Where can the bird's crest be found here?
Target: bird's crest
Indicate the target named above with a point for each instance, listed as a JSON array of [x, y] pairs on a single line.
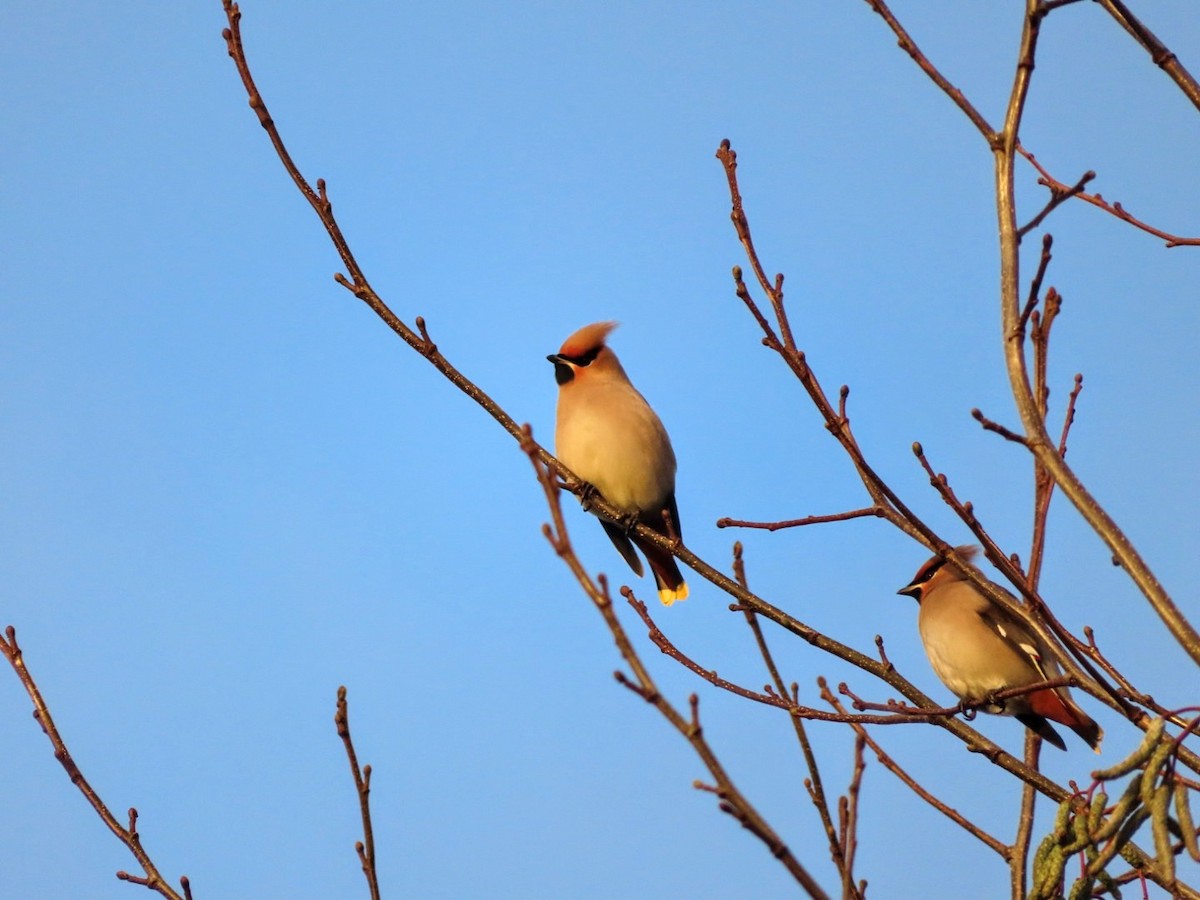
[[967, 551], [588, 338]]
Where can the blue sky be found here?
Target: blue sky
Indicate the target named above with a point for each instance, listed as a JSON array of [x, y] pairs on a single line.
[[228, 489]]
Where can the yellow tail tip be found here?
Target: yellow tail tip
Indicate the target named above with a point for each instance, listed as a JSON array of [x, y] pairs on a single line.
[[668, 596]]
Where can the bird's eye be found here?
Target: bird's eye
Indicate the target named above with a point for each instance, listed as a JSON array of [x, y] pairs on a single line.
[[585, 359], [929, 573]]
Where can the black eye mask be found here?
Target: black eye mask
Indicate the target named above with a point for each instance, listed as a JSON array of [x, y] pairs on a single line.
[[585, 359]]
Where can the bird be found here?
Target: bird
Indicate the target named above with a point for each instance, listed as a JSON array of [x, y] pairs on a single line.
[[977, 647], [607, 434]]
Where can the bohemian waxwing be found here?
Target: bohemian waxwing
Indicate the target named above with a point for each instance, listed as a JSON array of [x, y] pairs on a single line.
[[977, 647], [608, 435]]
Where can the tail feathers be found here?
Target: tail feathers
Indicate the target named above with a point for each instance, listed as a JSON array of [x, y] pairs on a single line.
[[671, 586], [620, 539], [1043, 728], [1061, 708]]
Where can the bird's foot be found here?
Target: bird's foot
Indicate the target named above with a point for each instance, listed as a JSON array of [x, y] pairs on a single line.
[[586, 492], [992, 705]]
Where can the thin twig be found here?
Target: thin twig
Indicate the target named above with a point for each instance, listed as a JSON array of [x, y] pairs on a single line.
[[773, 290], [807, 520], [1035, 286], [814, 783], [1058, 188], [1018, 860], [733, 801], [849, 821], [909, 46], [127, 835], [1058, 196], [362, 786], [1007, 433], [892, 766], [358, 284], [1161, 55]]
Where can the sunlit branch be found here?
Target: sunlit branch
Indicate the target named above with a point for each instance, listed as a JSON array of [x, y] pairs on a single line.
[[1059, 190], [127, 835], [1039, 443], [807, 520], [1159, 53], [892, 766], [732, 801], [813, 783], [362, 787]]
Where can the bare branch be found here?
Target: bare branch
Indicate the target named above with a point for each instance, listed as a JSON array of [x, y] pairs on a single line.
[[1018, 859], [996, 427], [128, 836], [1035, 287], [1058, 188], [362, 786], [849, 819], [912, 784], [732, 800], [909, 46], [1058, 196], [1039, 442], [814, 783], [1162, 57], [807, 520], [773, 290]]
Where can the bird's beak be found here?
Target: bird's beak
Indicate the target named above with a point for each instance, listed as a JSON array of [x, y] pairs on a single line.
[[911, 590], [554, 358]]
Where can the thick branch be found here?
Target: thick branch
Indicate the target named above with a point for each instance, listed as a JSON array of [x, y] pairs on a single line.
[[1039, 442], [1163, 57]]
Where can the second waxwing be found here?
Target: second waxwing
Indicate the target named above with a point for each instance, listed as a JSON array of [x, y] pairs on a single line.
[[977, 647], [608, 435]]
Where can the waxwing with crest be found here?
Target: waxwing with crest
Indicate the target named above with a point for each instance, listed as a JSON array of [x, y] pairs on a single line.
[[977, 647], [608, 435]]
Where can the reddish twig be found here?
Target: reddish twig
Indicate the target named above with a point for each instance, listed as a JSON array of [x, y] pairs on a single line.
[[1064, 192], [807, 520], [127, 835], [1035, 286], [813, 783], [732, 800], [784, 700], [995, 427], [1059, 194], [773, 290], [1018, 853], [912, 784], [848, 820], [966, 707], [362, 786]]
